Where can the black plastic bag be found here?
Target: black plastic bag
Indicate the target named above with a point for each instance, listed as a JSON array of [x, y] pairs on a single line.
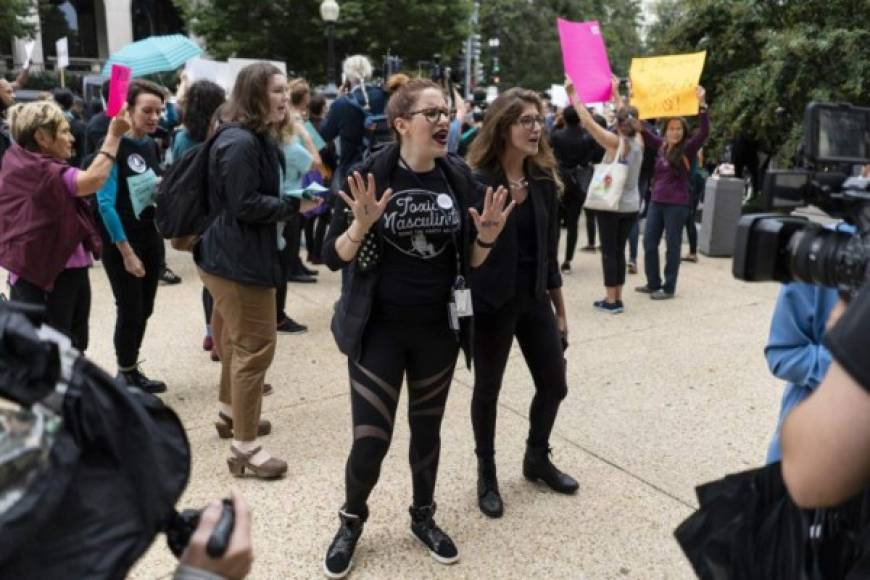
[[748, 528], [105, 485]]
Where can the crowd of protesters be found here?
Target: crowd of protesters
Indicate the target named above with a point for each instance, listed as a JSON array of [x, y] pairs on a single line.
[[380, 160]]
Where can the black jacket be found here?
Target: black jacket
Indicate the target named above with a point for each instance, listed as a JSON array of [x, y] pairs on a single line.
[[244, 187], [358, 288], [494, 282]]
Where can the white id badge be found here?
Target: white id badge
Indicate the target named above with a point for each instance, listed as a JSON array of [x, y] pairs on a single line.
[[462, 299], [452, 318]]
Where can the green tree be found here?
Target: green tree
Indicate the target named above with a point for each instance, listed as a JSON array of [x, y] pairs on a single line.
[[766, 60], [530, 53], [292, 30], [14, 21]]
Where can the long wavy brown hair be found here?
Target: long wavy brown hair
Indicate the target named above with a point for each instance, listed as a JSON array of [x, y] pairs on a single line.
[[249, 102], [491, 142]]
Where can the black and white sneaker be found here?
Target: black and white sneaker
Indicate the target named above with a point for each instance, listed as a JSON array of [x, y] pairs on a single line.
[[135, 378], [339, 557], [169, 278], [424, 528]]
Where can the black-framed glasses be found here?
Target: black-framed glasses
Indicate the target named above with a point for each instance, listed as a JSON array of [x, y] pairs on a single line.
[[527, 122], [432, 114]]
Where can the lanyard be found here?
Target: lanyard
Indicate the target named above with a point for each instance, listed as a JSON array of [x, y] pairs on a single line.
[[460, 280]]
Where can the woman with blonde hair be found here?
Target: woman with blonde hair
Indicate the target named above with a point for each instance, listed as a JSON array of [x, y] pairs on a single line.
[[47, 231], [518, 290]]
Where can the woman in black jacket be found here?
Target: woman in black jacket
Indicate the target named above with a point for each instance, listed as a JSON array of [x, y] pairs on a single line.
[[407, 246], [517, 290], [238, 256]]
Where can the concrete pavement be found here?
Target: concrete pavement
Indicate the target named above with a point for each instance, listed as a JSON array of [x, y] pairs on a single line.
[[663, 397]]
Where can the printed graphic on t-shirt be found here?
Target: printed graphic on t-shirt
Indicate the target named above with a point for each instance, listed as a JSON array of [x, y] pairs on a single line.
[[420, 223], [142, 189], [137, 163]]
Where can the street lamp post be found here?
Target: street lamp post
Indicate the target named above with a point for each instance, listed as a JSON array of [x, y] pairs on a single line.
[[329, 13]]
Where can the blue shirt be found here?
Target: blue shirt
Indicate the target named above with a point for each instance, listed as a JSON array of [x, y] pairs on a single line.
[[794, 350]]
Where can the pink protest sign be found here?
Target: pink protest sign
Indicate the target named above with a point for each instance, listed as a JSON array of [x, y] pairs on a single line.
[[585, 59], [119, 82]]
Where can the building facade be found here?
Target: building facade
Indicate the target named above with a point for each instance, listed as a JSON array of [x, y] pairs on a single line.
[[95, 29]]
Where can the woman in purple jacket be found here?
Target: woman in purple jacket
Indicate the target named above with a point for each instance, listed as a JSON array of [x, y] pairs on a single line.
[[670, 208], [47, 231]]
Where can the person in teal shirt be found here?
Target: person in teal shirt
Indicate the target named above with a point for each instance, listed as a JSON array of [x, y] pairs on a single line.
[[198, 107], [297, 161]]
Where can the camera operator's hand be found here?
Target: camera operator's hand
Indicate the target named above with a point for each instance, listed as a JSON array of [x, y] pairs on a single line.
[[835, 314], [236, 562]]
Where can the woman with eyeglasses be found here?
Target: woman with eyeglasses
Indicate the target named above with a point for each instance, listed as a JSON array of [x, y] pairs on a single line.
[[408, 239], [625, 145], [518, 291]]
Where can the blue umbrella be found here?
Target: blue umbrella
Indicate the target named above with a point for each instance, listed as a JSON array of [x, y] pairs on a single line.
[[155, 54]]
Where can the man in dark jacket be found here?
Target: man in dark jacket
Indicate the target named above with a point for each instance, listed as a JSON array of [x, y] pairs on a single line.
[[98, 126]]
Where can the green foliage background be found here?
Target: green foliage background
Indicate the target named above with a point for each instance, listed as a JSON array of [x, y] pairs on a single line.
[[767, 59]]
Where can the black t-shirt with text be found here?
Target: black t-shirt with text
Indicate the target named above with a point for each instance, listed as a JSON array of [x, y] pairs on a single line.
[[421, 221]]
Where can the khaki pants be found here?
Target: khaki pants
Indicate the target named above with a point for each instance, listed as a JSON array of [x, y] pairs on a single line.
[[247, 347]]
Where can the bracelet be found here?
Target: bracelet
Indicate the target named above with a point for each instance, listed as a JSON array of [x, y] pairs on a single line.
[[109, 155], [484, 245], [353, 241]]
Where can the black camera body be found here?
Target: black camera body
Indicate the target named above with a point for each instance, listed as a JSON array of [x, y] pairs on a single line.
[[774, 247], [181, 526]]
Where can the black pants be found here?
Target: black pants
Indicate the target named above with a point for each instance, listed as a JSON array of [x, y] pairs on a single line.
[[534, 324], [691, 227], [134, 297], [614, 227], [207, 305], [68, 305], [663, 219], [573, 205], [590, 226], [427, 351]]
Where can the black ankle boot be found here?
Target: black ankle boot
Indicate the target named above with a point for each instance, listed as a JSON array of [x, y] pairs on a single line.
[[135, 378], [488, 496], [339, 557], [537, 466], [424, 528]]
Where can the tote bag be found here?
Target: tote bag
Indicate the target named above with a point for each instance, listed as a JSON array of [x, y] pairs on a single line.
[[608, 181]]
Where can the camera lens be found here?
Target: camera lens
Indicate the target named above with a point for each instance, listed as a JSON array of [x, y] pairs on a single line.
[[827, 258]]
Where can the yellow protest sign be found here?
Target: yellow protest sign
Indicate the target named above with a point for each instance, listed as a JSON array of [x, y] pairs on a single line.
[[664, 86]]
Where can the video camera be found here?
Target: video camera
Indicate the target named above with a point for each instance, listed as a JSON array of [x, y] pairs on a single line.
[[772, 246]]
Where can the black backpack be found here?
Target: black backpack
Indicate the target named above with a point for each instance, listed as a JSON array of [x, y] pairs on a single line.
[[183, 213], [376, 127]]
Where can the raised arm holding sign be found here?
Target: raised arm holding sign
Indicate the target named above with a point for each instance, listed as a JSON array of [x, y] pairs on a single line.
[[585, 58], [665, 86]]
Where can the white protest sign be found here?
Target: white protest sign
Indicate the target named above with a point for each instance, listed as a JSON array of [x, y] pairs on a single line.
[[62, 50], [237, 64], [558, 96], [28, 52], [203, 69]]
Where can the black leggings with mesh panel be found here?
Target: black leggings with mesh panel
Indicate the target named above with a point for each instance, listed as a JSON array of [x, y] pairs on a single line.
[[427, 352]]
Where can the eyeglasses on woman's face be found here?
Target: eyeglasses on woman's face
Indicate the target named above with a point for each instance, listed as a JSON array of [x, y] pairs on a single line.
[[527, 122], [432, 114]]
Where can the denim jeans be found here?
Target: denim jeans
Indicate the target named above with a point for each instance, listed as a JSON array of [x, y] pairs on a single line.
[[668, 220]]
